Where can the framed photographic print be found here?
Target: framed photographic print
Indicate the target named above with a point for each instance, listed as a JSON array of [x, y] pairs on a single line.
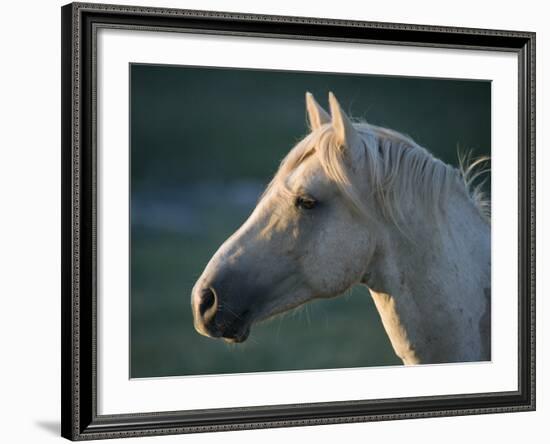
[[280, 221]]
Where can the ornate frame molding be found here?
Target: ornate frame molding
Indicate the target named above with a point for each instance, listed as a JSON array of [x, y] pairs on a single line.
[[80, 22]]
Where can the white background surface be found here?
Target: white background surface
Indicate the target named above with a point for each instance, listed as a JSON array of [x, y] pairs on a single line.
[[30, 234]]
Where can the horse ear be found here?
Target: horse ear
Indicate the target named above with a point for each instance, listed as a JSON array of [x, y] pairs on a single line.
[[345, 130], [317, 116]]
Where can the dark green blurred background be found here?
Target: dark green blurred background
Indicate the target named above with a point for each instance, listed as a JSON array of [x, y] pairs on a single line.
[[204, 144]]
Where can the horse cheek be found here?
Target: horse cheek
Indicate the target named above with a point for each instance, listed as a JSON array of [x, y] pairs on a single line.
[[326, 268]]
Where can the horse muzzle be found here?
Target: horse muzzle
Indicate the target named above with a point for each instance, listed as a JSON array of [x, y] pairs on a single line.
[[213, 319]]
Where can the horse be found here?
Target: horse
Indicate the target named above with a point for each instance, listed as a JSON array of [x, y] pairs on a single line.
[[355, 203]]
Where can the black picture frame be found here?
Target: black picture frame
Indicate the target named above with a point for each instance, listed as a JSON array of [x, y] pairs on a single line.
[[79, 170]]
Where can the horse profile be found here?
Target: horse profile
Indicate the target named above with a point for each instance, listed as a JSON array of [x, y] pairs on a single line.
[[353, 203]]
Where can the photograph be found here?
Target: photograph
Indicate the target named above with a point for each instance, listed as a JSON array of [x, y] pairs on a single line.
[[293, 220]]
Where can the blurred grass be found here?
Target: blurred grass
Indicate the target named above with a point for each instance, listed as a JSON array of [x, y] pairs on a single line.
[[196, 135]]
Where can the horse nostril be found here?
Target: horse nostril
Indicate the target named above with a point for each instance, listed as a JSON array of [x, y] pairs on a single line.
[[208, 303]]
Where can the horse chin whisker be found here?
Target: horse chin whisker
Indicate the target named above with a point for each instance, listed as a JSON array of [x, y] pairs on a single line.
[[308, 317], [232, 312], [251, 340], [285, 310]]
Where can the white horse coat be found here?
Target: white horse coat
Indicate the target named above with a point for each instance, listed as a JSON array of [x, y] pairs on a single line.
[[355, 203]]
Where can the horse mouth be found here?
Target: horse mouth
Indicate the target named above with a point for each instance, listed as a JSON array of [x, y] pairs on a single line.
[[232, 333], [236, 338], [236, 335]]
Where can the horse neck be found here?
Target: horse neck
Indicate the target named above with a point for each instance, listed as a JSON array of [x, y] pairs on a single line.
[[433, 293]]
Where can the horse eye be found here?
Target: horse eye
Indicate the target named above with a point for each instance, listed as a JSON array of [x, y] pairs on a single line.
[[306, 203]]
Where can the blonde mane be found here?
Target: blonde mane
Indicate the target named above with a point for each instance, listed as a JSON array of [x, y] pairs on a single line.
[[398, 170]]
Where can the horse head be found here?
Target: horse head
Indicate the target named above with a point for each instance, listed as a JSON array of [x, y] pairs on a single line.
[[305, 239]]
